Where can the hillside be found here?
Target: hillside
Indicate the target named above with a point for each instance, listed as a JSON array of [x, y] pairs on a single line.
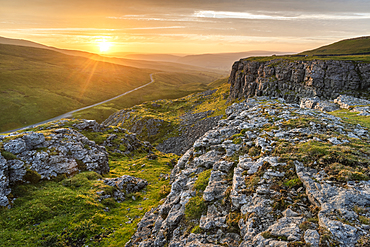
[[165, 86], [220, 61], [353, 46], [278, 154], [39, 84], [251, 179], [165, 65]]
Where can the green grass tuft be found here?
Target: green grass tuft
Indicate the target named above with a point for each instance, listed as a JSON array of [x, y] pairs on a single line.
[[202, 181]]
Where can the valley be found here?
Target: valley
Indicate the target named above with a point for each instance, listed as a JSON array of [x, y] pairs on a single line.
[[276, 153], [72, 82]]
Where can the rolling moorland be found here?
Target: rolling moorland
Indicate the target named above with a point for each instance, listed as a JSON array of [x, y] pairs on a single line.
[[39, 84], [258, 159]]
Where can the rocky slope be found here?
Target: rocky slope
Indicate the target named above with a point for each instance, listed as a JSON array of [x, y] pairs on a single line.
[[293, 80], [59, 150], [261, 172], [160, 122], [271, 174]]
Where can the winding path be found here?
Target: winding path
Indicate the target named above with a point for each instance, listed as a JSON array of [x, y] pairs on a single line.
[[69, 114]]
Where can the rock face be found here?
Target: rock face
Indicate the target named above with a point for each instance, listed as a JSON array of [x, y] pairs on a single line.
[[191, 127], [231, 189], [123, 185], [147, 126], [47, 154], [299, 79]]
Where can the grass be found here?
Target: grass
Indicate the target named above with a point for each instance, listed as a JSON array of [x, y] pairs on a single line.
[[348, 46], [169, 111], [338, 51], [195, 208], [341, 162], [53, 213], [68, 212], [352, 117], [166, 86], [292, 58], [202, 180], [38, 84]]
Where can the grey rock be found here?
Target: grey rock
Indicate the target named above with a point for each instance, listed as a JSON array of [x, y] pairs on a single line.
[[331, 199], [288, 227], [346, 101], [15, 146], [34, 139], [293, 80], [312, 237], [334, 141], [65, 152], [125, 185]]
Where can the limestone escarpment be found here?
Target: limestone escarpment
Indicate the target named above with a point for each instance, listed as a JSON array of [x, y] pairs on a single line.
[[261, 177], [293, 80], [60, 149]]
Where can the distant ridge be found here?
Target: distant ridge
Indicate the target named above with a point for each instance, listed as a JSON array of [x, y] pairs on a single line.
[[221, 61], [212, 61], [354, 46], [22, 42]]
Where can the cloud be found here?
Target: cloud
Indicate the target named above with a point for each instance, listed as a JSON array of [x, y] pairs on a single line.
[[278, 16]]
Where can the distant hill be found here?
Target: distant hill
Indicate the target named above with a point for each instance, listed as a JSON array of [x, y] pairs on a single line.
[[38, 84], [150, 57], [223, 61], [149, 63], [218, 61], [355, 46], [22, 42]]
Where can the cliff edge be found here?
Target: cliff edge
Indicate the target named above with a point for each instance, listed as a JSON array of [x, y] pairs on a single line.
[[293, 80]]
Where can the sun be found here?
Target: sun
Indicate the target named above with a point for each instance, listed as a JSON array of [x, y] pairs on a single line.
[[104, 46]]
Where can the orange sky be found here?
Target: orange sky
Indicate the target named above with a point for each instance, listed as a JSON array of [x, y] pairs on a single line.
[[192, 27]]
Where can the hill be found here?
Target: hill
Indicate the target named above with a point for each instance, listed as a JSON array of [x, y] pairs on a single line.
[[355, 46], [268, 174], [162, 64], [37, 84], [219, 61]]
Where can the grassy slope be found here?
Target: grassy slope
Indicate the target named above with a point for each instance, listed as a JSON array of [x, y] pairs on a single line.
[[340, 48], [37, 84], [166, 86], [62, 212], [54, 213], [58, 213], [359, 58], [348, 46], [171, 110]]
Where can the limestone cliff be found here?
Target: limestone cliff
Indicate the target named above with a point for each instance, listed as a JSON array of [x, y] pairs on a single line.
[[271, 174], [293, 80]]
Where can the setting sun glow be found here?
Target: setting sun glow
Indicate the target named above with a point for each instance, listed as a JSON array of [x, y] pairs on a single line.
[[104, 46]]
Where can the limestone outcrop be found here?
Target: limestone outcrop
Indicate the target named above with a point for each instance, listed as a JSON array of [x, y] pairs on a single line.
[[293, 80], [148, 123], [247, 182], [123, 186], [31, 156]]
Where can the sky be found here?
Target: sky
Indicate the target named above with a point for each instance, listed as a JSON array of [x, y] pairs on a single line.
[[185, 26]]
